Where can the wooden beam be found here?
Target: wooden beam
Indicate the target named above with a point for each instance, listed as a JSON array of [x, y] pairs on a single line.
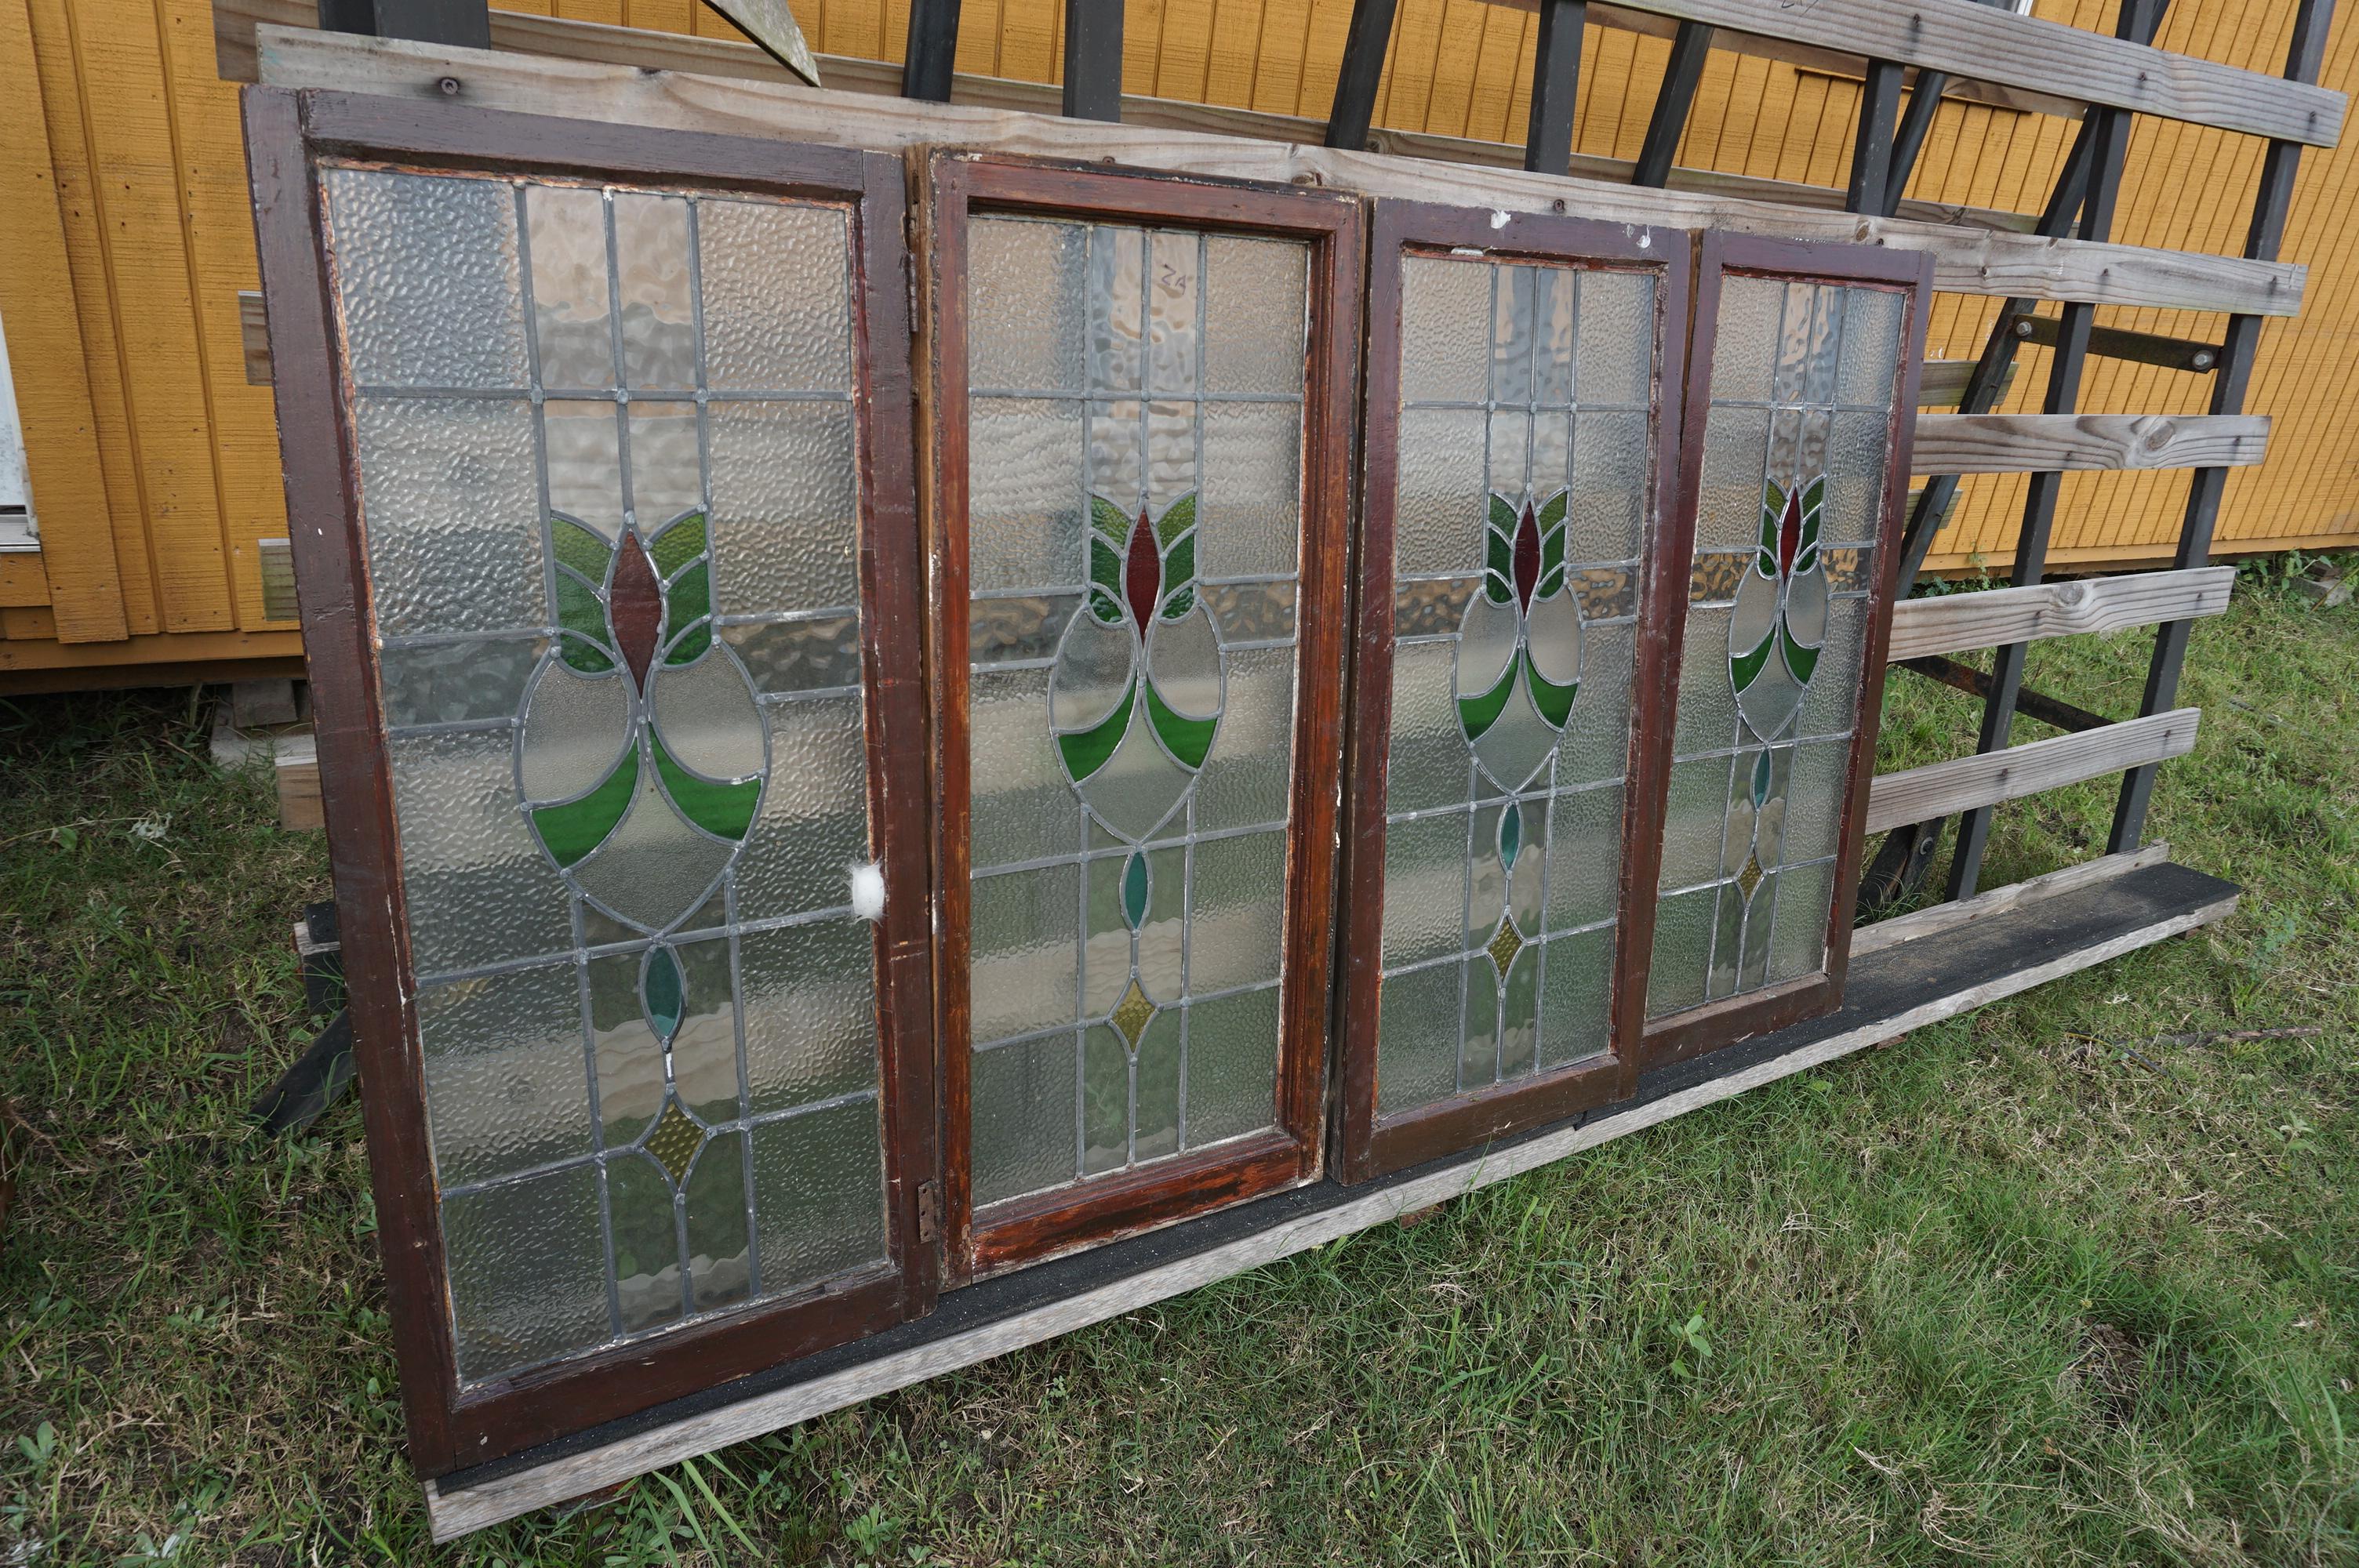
[[1556, 81], [1966, 260], [1986, 778], [1093, 88], [1935, 919], [927, 63], [1673, 99], [2053, 443], [1365, 43], [772, 25], [1943, 384], [1954, 622], [1988, 43]]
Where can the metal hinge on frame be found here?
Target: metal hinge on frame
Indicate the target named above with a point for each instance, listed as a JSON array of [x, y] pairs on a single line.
[[929, 1211]]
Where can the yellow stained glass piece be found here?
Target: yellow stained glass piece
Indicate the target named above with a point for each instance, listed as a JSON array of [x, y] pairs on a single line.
[[676, 1141], [1750, 877], [1505, 943], [1131, 1013]]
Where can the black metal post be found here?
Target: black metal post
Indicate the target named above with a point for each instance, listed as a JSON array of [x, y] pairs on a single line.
[[1871, 151], [1354, 108], [1924, 100], [1690, 44], [466, 23], [932, 53], [1556, 83], [1093, 59], [2304, 57]]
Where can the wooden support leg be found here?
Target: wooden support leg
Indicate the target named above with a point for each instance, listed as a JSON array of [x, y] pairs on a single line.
[[1556, 81]]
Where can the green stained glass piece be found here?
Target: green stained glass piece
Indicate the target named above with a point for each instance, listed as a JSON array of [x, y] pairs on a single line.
[[1105, 607], [583, 656], [1511, 833], [1806, 559], [1477, 713], [1773, 512], [662, 994], [1106, 573], [1133, 890], [1502, 557], [1552, 510], [1108, 519], [1766, 563], [725, 810], [1761, 778], [1801, 660], [1554, 701], [1086, 750], [573, 830], [1503, 516], [690, 598], [692, 644], [1188, 739], [1549, 584], [1497, 589], [1551, 550], [678, 544], [579, 610], [1813, 494], [1177, 519], [585, 551], [1178, 573], [1746, 667]]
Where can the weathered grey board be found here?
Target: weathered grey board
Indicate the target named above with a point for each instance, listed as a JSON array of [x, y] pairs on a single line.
[[2053, 926], [1956, 622], [2032, 443], [1933, 920], [1966, 260], [1944, 789], [1989, 44]]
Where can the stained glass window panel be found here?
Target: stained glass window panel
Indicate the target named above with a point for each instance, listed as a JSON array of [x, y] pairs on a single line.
[[1522, 504], [1796, 448], [606, 441], [1134, 508]]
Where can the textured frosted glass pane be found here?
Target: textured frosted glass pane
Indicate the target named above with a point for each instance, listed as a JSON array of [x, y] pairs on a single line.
[[527, 1274], [1445, 329], [1683, 944], [583, 444], [1511, 451], [1584, 856], [1797, 342], [1252, 476], [642, 1212], [653, 278], [1857, 455], [777, 312], [719, 1265], [629, 1056], [476, 884], [451, 512], [1174, 290], [1428, 761], [427, 271], [1814, 816], [1871, 346], [1252, 612], [1171, 467], [1024, 950], [1117, 304], [1417, 1038], [814, 815], [572, 310], [1610, 463], [810, 1012], [1438, 522], [1023, 806], [1024, 494], [785, 521], [1617, 338], [1478, 1047], [1245, 781], [1155, 1118], [444, 683], [1576, 999], [507, 1087], [1597, 740], [1693, 821], [1707, 709], [655, 867], [1255, 320], [1232, 1067], [706, 716], [1798, 942], [1736, 456], [1832, 700], [1023, 1118], [1105, 1101], [819, 1197], [1425, 888], [667, 467], [1025, 323], [1235, 937], [1745, 338], [798, 656], [1513, 333]]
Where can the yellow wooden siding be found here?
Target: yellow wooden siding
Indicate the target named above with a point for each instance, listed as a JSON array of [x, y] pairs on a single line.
[[156, 465]]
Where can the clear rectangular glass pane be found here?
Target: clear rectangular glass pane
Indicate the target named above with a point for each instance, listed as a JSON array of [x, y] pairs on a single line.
[[642, 995], [1132, 553]]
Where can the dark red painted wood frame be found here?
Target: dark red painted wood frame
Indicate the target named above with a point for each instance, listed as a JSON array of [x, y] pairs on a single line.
[[1714, 1024], [287, 134], [1366, 1145], [1026, 1229]]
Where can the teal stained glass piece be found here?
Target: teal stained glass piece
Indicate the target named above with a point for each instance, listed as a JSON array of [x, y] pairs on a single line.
[[1511, 833], [1133, 890], [1761, 778], [725, 810], [573, 830], [662, 994]]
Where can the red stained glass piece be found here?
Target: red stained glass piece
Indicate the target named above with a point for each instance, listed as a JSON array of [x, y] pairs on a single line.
[[634, 608], [1790, 533], [1528, 557], [1143, 573]]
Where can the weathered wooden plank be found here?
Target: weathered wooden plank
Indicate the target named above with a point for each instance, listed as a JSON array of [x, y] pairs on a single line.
[[1942, 384], [1989, 43], [1943, 789], [22, 580], [1974, 261], [1935, 919], [1956, 622], [2032, 443], [456, 1511]]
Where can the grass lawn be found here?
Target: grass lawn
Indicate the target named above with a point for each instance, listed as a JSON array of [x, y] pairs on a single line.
[[2040, 1284]]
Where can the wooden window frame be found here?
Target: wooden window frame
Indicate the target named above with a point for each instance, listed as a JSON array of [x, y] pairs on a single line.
[[955, 186], [1368, 1146], [1704, 1028], [287, 134]]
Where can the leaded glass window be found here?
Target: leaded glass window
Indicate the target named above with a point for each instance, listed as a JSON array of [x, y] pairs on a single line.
[[1791, 502], [606, 450], [1135, 444]]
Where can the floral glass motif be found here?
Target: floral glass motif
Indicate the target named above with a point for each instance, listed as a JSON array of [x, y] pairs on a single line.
[[605, 440], [1135, 457], [1523, 507], [1796, 446]]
